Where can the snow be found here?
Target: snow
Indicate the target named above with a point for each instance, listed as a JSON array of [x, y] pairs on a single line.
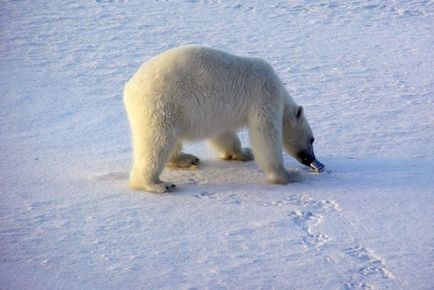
[[362, 70]]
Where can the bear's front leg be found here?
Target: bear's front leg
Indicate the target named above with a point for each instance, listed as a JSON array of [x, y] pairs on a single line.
[[265, 133], [278, 176]]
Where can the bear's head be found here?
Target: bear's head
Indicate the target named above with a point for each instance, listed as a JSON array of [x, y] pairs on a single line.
[[297, 135]]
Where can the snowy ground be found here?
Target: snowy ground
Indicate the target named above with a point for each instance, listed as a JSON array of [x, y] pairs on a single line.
[[363, 70]]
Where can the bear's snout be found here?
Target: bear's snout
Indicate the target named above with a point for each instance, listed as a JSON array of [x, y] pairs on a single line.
[[305, 158]]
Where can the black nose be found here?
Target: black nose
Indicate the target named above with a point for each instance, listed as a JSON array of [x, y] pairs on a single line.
[[305, 157]]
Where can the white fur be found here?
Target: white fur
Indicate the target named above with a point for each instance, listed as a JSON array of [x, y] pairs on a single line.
[[195, 92]]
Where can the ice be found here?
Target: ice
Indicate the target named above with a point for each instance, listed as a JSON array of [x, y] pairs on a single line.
[[362, 71]]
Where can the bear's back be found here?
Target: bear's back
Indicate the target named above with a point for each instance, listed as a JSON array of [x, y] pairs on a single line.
[[210, 89], [200, 65]]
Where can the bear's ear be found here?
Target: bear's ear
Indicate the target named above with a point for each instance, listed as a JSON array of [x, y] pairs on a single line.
[[299, 112]]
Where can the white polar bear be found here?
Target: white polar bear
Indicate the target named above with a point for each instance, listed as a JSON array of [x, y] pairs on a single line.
[[195, 92]]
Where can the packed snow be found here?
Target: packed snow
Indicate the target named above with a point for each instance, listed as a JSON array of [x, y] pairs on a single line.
[[363, 70]]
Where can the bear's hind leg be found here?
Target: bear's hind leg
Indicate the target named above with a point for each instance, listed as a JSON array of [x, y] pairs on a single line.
[[152, 147], [179, 159], [228, 146]]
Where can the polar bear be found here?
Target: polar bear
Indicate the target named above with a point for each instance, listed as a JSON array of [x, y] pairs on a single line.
[[194, 92]]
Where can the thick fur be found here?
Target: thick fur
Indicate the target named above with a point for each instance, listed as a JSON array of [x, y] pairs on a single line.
[[195, 93]]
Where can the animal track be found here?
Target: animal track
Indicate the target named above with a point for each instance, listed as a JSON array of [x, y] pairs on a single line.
[[371, 263], [194, 179], [207, 195], [307, 214], [305, 201], [369, 267], [306, 221], [272, 203], [315, 240], [359, 285]]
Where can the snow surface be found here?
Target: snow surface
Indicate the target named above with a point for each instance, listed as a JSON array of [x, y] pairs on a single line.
[[363, 70]]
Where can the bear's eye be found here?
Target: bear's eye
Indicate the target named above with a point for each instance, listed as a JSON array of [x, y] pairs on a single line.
[[312, 140]]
